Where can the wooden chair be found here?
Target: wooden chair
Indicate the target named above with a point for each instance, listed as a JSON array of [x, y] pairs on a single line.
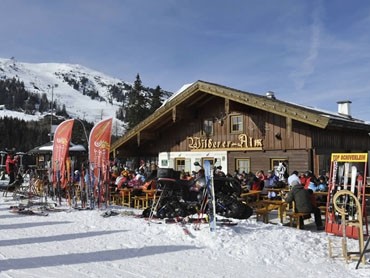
[[296, 216], [125, 197], [114, 197]]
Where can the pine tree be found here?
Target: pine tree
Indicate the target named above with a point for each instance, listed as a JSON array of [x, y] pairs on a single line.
[[136, 107], [156, 100]]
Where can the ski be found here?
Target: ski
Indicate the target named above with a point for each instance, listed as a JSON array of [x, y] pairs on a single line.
[[226, 222], [340, 176], [28, 211], [329, 219], [346, 175], [201, 211], [211, 195], [110, 213], [352, 205], [182, 222], [353, 178], [151, 219]]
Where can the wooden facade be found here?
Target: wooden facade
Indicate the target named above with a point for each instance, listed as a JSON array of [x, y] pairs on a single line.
[[241, 126]]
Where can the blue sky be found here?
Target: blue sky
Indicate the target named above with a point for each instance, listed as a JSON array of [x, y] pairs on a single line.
[[310, 52]]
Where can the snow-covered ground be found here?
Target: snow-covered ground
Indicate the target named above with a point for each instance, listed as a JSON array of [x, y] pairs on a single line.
[[83, 243]]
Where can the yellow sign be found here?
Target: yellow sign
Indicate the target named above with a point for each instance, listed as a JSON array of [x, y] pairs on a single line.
[[245, 142], [348, 157]]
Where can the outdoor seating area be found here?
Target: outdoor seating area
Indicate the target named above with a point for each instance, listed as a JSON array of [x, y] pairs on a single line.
[[277, 211]]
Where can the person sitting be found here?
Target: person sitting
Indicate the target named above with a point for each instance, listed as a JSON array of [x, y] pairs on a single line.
[[309, 178], [256, 184], [312, 186], [261, 177], [271, 179], [122, 180], [303, 203], [219, 172], [323, 186], [292, 177]]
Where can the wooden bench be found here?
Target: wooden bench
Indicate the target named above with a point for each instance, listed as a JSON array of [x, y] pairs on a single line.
[[140, 202], [296, 216]]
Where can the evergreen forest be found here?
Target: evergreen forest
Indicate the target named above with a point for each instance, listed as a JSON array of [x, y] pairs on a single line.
[[138, 102]]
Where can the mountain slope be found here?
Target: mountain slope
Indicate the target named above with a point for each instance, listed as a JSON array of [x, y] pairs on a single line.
[[74, 86]]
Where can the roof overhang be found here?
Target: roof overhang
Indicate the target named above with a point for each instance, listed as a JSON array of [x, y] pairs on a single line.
[[198, 94]]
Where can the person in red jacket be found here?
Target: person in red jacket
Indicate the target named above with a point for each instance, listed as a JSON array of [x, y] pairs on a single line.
[[11, 166]]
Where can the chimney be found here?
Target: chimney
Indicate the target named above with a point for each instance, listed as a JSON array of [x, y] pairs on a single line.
[[344, 108], [270, 94]]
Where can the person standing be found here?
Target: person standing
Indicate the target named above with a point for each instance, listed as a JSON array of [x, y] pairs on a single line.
[[11, 166]]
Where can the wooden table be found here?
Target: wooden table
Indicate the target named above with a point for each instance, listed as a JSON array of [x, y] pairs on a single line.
[[280, 205], [320, 193], [277, 190], [251, 193]]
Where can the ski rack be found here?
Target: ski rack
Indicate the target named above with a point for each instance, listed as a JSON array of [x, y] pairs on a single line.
[[339, 179]]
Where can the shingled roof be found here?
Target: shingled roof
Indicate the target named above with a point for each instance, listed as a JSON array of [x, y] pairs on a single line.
[[198, 92]]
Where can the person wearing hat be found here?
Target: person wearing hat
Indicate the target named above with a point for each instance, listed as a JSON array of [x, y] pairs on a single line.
[[302, 199]]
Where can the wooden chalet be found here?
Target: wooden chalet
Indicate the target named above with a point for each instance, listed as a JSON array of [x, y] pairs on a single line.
[[240, 131]]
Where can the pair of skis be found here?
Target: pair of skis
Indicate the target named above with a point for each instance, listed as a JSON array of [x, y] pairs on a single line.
[[208, 172]]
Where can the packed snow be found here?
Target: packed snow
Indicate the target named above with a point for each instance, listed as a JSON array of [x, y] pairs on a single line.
[[47, 78], [69, 242]]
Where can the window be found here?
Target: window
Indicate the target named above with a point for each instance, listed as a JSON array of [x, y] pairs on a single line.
[[243, 165], [236, 124], [164, 163], [180, 164], [207, 127], [211, 160]]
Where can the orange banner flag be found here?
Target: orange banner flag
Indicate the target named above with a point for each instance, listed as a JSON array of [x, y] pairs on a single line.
[[62, 139], [99, 147]]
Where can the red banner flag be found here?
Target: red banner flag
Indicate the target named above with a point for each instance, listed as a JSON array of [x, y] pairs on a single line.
[[99, 148], [62, 138]]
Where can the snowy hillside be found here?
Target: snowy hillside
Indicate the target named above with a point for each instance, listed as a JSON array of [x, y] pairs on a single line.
[[62, 83]]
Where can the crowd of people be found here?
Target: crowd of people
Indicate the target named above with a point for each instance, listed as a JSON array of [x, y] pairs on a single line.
[[261, 180], [301, 188]]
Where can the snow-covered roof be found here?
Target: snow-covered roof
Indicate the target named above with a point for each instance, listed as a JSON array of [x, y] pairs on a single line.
[[48, 148]]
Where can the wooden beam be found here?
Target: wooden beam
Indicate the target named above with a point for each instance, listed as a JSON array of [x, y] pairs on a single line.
[[288, 133], [138, 138], [227, 106], [174, 114]]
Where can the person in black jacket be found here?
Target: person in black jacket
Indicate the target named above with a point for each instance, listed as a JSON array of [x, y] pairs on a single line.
[[302, 200]]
